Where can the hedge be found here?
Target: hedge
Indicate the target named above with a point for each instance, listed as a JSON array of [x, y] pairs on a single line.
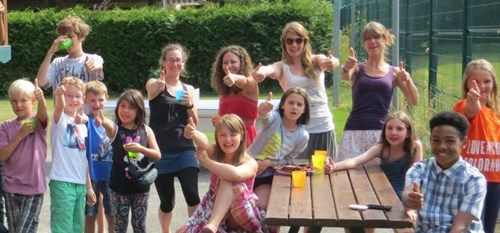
[[130, 41]]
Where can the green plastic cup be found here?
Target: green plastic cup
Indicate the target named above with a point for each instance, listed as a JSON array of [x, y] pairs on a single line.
[[32, 121], [133, 155], [65, 44]]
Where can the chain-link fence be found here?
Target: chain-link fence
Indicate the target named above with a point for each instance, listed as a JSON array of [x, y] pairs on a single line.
[[437, 38]]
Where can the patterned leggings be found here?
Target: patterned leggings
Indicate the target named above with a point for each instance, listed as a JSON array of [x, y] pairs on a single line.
[[122, 204]]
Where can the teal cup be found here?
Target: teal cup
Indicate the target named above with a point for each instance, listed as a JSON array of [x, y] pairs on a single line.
[[65, 44], [179, 95]]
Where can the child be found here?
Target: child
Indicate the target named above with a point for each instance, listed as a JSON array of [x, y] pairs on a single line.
[[130, 122], [480, 104], [23, 149], [232, 172], [99, 156], [282, 138], [238, 92], [87, 67], [69, 172], [447, 191], [398, 149], [300, 68]]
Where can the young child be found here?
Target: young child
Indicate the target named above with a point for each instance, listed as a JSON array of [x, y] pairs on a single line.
[[23, 149], [130, 122], [69, 172], [480, 104], [447, 191], [232, 173], [282, 138], [398, 149], [87, 67], [99, 156]]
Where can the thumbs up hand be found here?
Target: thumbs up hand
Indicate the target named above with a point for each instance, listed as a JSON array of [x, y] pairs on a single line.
[[190, 129], [38, 93], [351, 61], [160, 83], [80, 117], [99, 118], [329, 165], [415, 198], [257, 74], [474, 95], [401, 76], [329, 62], [229, 79], [266, 106]]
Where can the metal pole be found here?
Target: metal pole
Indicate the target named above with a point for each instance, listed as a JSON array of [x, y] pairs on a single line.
[[353, 24], [395, 48], [336, 49]]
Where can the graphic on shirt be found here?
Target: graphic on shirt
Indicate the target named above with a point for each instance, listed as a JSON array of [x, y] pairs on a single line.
[[272, 146], [105, 151], [73, 138]]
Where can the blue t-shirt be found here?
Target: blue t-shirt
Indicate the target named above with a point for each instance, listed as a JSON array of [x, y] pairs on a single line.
[[99, 152]]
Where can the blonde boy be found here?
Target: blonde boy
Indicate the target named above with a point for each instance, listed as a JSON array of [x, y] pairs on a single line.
[[69, 173], [23, 149]]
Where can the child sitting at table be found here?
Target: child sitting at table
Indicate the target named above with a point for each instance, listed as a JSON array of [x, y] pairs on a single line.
[[230, 204], [398, 149], [447, 191], [282, 138]]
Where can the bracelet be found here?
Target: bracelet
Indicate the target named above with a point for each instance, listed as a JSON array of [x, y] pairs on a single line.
[[190, 107]]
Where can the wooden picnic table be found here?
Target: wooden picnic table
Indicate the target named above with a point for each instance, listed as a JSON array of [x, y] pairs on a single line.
[[324, 201]]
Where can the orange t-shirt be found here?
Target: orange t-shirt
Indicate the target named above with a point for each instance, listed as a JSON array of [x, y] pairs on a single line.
[[482, 148]]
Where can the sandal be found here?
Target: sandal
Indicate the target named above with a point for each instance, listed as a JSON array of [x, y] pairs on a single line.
[[208, 229]]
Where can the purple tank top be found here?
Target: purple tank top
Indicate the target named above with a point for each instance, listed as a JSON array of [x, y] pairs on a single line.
[[371, 99]]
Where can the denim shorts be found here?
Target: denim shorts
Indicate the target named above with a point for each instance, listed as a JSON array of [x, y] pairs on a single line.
[[100, 187]]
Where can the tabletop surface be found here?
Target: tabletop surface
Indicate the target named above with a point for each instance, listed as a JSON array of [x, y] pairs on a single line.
[[324, 200]]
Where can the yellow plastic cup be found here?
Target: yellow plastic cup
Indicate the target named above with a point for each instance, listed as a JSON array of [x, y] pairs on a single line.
[[298, 178], [320, 152], [318, 162]]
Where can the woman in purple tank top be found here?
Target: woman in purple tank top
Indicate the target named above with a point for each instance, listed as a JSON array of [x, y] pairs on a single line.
[[372, 84]]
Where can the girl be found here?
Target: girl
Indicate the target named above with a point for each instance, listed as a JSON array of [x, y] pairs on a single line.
[[282, 138], [232, 172], [481, 106], [130, 122], [238, 92], [300, 68], [372, 84], [398, 149], [168, 119]]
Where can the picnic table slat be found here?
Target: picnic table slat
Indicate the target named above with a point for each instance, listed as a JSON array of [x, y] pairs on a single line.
[[280, 194], [300, 205], [343, 195], [322, 197]]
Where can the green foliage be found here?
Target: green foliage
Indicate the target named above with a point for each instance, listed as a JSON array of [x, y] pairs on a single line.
[[130, 41]]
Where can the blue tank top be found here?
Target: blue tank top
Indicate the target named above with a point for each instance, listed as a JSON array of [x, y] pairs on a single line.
[[371, 99], [395, 172]]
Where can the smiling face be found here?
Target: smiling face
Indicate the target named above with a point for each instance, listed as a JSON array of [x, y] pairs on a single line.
[[232, 61], [294, 44], [127, 114], [484, 81], [294, 107], [173, 63], [228, 141], [375, 45], [22, 105], [73, 99], [446, 145], [396, 132], [95, 102]]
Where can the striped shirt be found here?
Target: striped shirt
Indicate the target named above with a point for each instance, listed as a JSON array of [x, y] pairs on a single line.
[[446, 192]]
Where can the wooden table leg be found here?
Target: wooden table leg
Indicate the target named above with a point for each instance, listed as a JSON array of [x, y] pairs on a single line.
[[293, 229], [357, 230], [315, 229]]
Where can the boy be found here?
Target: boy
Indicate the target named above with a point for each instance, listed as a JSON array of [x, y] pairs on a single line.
[[87, 67], [447, 191], [23, 149], [69, 173], [99, 155]]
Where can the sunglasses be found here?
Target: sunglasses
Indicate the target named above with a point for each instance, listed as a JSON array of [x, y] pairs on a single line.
[[298, 40]]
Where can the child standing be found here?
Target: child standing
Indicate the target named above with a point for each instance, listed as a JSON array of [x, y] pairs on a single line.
[[282, 138], [69, 172], [23, 149], [99, 156], [232, 173], [480, 104], [398, 149], [130, 116], [86, 67], [447, 191]]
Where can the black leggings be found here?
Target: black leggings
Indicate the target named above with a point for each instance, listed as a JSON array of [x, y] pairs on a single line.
[[164, 184]]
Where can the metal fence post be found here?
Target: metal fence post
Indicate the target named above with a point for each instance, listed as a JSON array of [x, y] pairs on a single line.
[[336, 49], [395, 48]]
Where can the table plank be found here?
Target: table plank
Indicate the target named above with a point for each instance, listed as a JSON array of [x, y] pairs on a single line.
[[277, 215], [301, 205], [325, 213], [343, 195]]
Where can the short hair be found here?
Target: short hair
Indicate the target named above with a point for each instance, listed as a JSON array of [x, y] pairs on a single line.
[[21, 87], [376, 30], [73, 24], [246, 67], [454, 119], [134, 97], [304, 118], [96, 88], [72, 80]]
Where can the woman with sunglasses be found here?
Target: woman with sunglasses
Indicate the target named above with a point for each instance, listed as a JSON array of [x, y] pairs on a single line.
[[300, 68], [372, 84]]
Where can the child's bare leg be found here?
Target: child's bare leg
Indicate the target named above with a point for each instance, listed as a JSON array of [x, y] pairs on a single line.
[[221, 205]]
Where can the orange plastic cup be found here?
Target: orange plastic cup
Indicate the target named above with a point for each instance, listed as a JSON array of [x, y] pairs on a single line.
[[298, 178]]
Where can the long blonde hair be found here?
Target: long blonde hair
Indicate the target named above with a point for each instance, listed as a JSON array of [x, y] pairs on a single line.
[[234, 123], [482, 64], [308, 63]]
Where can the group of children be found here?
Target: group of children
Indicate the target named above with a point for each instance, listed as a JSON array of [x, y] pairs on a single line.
[[90, 159]]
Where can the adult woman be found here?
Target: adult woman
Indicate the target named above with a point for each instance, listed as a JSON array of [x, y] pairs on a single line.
[[239, 94], [168, 118], [372, 84], [300, 68]]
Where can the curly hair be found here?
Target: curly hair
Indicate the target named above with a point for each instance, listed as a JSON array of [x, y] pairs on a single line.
[[218, 73]]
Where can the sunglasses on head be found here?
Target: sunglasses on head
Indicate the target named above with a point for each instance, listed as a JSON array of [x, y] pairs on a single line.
[[298, 40]]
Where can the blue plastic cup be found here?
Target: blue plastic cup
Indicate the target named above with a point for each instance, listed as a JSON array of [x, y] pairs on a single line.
[[179, 95]]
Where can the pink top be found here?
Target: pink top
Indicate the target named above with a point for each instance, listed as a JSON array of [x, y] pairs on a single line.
[[245, 108], [24, 171], [214, 182]]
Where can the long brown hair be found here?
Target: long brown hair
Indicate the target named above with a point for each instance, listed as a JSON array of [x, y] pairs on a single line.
[[308, 63], [235, 125], [134, 97], [218, 73], [409, 142]]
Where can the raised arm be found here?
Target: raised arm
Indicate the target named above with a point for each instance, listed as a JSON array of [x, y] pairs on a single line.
[[248, 85], [109, 127], [43, 70], [274, 71], [473, 103], [327, 62], [199, 138], [41, 113], [155, 86], [405, 83], [350, 68]]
